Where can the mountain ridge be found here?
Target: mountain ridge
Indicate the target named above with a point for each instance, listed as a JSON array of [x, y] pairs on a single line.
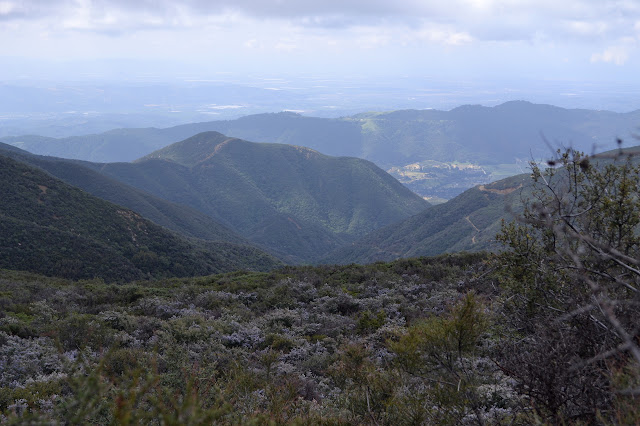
[[179, 218], [491, 139], [251, 187], [468, 222], [328, 135], [50, 227]]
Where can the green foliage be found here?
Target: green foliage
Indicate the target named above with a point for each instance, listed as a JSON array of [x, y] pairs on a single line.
[[442, 341], [299, 203], [571, 288], [467, 222], [226, 349], [441, 348], [368, 321], [49, 227]]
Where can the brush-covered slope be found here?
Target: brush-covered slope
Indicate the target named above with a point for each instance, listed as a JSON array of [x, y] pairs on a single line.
[[50, 227], [290, 199], [468, 222], [182, 219]]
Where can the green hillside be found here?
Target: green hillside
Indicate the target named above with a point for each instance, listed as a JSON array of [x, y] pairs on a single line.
[[487, 135], [293, 200], [182, 219], [49, 227], [469, 222]]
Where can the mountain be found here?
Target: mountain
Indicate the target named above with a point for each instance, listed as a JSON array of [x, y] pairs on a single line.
[[293, 200], [467, 133], [468, 222], [52, 228], [470, 144], [182, 219]]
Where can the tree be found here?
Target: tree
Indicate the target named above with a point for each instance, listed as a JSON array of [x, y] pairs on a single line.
[[571, 273]]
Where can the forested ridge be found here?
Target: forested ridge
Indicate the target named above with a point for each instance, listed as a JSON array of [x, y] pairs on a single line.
[[49, 227], [295, 201]]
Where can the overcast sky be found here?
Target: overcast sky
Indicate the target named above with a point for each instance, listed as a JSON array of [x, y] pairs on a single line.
[[589, 40]]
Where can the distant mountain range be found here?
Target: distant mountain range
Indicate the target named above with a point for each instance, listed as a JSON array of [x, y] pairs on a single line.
[[487, 138], [230, 195], [52, 228], [467, 133]]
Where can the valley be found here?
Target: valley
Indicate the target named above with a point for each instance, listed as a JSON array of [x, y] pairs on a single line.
[[293, 201], [439, 182], [52, 228]]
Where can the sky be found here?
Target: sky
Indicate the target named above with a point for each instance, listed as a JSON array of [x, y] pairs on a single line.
[[586, 40]]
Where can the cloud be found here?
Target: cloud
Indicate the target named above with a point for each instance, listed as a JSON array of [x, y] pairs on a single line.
[[132, 28], [618, 55], [29, 9], [490, 20], [444, 35], [286, 46]]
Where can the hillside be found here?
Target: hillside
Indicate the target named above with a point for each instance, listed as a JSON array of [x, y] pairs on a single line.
[[182, 219], [299, 339], [469, 222], [293, 200], [49, 227], [488, 135], [435, 153]]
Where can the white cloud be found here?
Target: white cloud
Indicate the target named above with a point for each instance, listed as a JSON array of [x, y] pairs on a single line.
[[444, 36], [252, 44], [286, 46], [6, 8], [372, 40], [478, 19], [519, 36], [587, 28], [618, 55]]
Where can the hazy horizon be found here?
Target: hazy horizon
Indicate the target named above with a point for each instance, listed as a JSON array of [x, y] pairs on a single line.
[[204, 60]]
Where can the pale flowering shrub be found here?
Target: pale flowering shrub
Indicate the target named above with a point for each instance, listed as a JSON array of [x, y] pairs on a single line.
[[308, 346], [25, 359]]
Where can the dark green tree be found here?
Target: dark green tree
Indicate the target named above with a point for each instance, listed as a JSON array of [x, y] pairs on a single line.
[[571, 272]]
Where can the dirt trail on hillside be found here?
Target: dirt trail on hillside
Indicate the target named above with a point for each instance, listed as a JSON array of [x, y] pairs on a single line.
[[499, 191], [473, 238]]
